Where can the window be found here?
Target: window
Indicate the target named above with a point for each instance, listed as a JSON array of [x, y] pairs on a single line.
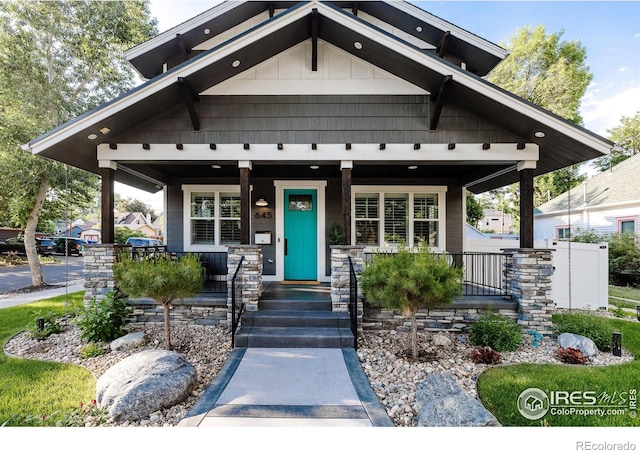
[[212, 217], [626, 225], [563, 233], [393, 216]]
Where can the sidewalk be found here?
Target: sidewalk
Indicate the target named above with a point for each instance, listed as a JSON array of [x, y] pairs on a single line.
[[289, 387], [8, 299]]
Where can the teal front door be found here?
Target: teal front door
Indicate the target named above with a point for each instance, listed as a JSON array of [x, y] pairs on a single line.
[[300, 234]]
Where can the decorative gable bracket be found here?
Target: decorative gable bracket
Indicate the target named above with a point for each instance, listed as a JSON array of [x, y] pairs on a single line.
[[190, 98], [436, 101]]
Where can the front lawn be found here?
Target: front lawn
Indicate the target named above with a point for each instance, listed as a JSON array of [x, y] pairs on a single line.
[[33, 389], [500, 387]]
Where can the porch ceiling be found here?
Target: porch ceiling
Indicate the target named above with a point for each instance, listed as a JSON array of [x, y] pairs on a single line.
[[564, 143]]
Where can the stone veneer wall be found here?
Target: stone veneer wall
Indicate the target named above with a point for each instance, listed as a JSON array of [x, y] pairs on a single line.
[[529, 274], [340, 276], [190, 311], [98, 271], [250, 276], [457, 318]]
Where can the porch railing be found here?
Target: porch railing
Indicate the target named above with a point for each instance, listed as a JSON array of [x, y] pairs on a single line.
[[236, 312], [484, 273], [353, 303], [214, 264]]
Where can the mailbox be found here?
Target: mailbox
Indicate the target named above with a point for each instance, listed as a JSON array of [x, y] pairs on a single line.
[[263, 237]]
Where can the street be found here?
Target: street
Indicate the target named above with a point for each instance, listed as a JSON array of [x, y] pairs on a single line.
[[18, 277]]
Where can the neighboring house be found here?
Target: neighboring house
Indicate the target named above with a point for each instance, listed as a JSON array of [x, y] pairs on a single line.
[[7, 233], [92, 235], [496, 221], [264, 123], [608, 202], [140, 222]]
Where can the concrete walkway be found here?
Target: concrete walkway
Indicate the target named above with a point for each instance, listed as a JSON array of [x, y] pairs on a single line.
[[8, 299], [289, 387]]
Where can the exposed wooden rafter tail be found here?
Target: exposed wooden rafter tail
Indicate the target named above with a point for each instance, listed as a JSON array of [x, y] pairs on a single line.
[[185, 50], [190, 98], [272, 10], [436, 101], [441, 50], [354, 8]]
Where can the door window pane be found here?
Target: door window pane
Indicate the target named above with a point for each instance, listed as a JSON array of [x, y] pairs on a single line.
[[300, 202]]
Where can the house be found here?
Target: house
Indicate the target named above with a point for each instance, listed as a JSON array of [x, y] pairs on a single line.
[[137, 221], [496, 221], [608, 202], [265, 123]]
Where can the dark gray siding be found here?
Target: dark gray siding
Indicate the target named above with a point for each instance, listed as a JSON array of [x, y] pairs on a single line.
[[321, 119], [455, 219], [173, 217]]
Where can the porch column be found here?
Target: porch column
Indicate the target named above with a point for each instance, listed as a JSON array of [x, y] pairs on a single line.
[[526, 208], [346, 167], [107, 173], [245, 202]]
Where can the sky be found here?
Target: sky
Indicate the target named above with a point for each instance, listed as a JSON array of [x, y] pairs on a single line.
[[609, 31]]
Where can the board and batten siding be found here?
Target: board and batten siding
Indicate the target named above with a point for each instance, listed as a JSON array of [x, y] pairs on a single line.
[[296, 119]]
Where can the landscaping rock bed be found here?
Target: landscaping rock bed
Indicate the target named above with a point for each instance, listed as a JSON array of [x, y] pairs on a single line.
[[393, 375]]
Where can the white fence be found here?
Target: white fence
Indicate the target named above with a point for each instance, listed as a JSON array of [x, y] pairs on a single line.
[[588, 271]]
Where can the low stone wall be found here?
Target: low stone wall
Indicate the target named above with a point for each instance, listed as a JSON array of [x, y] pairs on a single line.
[[456, 318], [98, 271], [205, 311]]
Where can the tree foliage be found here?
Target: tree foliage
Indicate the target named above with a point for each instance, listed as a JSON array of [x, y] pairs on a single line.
[[410, 280], [552, 73], [627, 139], [162, 279], [57, 60], [475, 211]]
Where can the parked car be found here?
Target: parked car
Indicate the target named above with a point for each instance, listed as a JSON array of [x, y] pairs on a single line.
[[74, 246], [45, 246], [143, 242], [12, 245]]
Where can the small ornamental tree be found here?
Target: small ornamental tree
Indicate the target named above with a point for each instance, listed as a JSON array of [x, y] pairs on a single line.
[[162, 279], [410, 280]]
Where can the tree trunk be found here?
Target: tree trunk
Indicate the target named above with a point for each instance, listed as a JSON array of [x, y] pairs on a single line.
[[414, 334], [167, 326], [37, 278]]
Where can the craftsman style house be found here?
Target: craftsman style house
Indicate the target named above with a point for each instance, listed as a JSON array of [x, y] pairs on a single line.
[[276, 124]]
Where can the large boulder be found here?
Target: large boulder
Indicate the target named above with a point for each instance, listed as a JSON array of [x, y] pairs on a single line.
[[128, 341], [145, 382], [582, 343], [442, 402]]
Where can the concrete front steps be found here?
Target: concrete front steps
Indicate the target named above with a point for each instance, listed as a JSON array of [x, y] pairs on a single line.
[[294, 323]]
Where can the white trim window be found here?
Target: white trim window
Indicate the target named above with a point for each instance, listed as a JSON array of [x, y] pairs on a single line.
[[211, 217], [392, 216]]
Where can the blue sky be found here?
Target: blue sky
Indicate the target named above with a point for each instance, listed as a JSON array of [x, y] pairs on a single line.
[[610, 32]]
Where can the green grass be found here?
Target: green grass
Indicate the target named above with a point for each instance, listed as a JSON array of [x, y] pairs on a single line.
[[36, 388], [625, 293], [500, 387]]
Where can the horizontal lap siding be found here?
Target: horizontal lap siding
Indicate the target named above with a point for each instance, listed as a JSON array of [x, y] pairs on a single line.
[[321, 119]]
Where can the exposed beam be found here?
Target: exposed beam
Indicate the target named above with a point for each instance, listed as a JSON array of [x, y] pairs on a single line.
[[185, 50], [354, 8], [190, 98], [436, 101], [314, 40], [441, 49], [272, 10]]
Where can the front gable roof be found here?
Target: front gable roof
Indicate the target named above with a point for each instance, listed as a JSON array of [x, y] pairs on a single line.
[[564, 143], [233, 17]]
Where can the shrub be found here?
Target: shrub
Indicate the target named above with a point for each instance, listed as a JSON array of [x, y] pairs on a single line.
[[409, 281], [585, 324], [485, 355], [497, 332], [106, 319], [571, 356], [92, 349], [51, 326]]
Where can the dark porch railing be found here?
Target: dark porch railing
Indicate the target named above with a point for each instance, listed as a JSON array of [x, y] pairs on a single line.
[[484, 273], [353, 303], [214, 264], [236, 312]]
